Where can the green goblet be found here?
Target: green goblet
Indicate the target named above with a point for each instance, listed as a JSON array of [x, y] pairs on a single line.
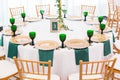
[[62, 39], [32, 35], [85, 15], [13, 28], [90, 34], [102, 27], [42, 12], [65, 12], [12, 20], [23, 15], [100, 19]]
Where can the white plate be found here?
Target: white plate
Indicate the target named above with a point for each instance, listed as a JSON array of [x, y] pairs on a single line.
[[75, 18]]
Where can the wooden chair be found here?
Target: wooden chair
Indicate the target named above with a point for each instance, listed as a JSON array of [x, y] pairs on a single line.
[[111, 12], [94, 70], [34, 70], [43, 7], [89, 9], [16, 12], [2, 57]]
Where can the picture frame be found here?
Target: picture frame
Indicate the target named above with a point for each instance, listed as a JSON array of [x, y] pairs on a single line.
[[54, 27]]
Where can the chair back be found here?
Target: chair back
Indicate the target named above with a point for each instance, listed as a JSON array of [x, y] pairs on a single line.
[[111, 6], [34, 70], [2, 57], [89, 9], [16, 12], [46, 8], [96, 68]]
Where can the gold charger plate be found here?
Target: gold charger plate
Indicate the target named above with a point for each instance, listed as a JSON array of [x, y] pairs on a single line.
[[47, 45], [99, 38], [74, 18], [32, 19], [51, 17], [92, 22], [77, 43], [20, 39], [8, 32]]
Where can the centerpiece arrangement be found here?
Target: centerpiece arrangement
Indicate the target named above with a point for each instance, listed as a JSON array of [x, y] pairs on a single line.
[[60, 18]]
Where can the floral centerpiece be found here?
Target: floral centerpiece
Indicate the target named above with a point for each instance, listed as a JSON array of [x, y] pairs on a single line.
[[60, 18]]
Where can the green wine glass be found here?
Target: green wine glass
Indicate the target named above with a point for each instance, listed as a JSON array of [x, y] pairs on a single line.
[[90, 34], [85, 15], [32, 35], [65, 12], [62, 38], [12, 20], [23, 15], [100, 19], [42, 12], [13, 28], [102, 27]]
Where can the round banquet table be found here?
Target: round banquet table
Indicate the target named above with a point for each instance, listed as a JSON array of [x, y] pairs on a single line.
[[64, 58]]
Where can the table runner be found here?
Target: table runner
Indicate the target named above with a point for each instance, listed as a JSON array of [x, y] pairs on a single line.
[[12, 50], [81, 54], [45, 55]]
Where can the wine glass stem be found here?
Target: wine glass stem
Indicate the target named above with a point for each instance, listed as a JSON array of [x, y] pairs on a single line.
[[32, 42], [23, 19], [42, 16], [64, 15], [101, 31], [89, 39], [62, 45], [85, 18]]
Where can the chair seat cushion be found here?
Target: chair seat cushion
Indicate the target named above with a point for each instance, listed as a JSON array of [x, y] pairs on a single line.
[[76, 76], [41, 77]]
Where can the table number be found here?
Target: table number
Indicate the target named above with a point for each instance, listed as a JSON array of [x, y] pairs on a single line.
[[54, 26]]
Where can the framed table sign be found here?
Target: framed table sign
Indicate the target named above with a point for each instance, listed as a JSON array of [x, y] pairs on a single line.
[[54, 25]]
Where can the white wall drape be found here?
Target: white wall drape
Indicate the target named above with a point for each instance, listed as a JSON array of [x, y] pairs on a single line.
[[73, 7]]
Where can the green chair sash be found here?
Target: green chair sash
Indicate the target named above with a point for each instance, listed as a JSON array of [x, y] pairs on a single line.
[[45, 55], [107, 48], [12, 50], [81, 54]]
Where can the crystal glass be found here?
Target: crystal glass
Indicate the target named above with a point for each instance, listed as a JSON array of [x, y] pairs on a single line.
[[32, 35], [102, 27], [90, 34], [42, 12], [100, 19], [85, 15], [23, 15], [62, 38], [13, 28], [12, 20], [65, 12]]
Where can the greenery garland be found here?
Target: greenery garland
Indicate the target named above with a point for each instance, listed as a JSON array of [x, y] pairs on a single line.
[[60, 19]]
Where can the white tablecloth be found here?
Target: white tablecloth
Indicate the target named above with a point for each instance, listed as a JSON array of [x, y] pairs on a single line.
[[64, 59]]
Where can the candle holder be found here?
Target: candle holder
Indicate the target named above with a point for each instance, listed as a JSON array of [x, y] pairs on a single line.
[[85, 15], [32, 35], [12, 21], [42, 12], [23, 15], [13, 28], [62, 38]]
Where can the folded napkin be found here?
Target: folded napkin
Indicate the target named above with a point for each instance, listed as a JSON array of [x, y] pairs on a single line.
[[1, 41], [107, 48], [81, 54], [45, 55], [12, 50]]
